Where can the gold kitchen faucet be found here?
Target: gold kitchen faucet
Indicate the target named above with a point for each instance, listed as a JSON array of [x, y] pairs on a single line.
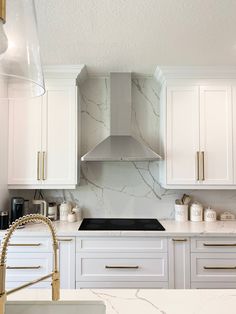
[[54, 275]]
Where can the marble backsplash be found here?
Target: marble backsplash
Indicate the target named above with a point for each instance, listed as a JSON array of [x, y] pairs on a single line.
[[125, 189]]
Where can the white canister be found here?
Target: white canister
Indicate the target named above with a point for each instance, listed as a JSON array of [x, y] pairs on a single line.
[[196, 212], [181, 213], [78, 213], [71, 217], [65, 208], [209, 215]]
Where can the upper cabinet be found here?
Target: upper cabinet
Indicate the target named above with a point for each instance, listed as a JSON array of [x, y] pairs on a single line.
[[44, 135], [197, 131]]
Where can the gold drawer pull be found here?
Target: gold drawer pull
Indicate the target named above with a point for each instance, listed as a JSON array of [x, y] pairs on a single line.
[[38, 167], [203, 166], [198, 176], [121, 267], [219, 244], [179, 240], [43, 167], [64, 240], [23, 267], [24, 244], [220, 267]]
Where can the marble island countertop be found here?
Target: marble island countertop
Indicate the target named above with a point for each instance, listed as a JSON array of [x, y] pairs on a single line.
[[173, 228], [146, 301]]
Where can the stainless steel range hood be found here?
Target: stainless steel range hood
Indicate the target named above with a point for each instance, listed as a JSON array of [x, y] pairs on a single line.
[[120, 145]]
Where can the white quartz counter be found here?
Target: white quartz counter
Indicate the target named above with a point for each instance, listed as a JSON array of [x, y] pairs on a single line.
[[146, 301], [173, 228]]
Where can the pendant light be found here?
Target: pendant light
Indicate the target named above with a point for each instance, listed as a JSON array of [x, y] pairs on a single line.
[[21, 73]]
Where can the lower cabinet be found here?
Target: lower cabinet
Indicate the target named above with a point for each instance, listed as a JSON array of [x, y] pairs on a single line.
[[121, 263], [213, 263], [31, 258], [67, 262], [179, 263], [125, 262]]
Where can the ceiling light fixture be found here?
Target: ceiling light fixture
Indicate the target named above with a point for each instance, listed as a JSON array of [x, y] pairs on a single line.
[[21, 74]]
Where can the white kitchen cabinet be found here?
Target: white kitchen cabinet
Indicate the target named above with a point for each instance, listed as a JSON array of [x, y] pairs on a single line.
[[198, 145], [43, 136], [197, 127], [25, 132], [31, 258], [216, 134], [179, 263], [67, 262], [234, 130], [182, 134], [111, 262], [59, 134], [213, 262]]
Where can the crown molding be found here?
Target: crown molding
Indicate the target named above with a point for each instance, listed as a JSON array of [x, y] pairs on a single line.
[[164, 73], [76, 72]]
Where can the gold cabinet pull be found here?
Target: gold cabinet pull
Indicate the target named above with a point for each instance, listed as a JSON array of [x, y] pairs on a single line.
[[43, 167], [198, 175], [23, 267], [38, 166], [24, 244], [121, 267], [203, 166], [220, 267], [219, 244], [179, 240], [64, 240]]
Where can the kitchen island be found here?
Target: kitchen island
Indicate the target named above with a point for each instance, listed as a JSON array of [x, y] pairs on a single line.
[[146, 301]]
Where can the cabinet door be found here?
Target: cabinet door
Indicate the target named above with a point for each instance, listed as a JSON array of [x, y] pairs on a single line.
[[67, 262], [216, 135], [234, 131], [60, 134], [24, 141], [179, 263], [182, 134]]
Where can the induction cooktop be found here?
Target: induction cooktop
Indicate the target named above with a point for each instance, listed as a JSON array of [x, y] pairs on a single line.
[[121, 224]]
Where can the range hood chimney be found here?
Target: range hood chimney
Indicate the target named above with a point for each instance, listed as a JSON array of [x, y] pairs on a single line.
[[120, 145]]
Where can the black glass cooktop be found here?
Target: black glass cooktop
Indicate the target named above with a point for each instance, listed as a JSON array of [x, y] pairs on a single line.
[[121, 224]]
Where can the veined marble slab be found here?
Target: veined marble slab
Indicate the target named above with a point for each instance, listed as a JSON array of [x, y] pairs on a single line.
[[173, 228], [146, 301]]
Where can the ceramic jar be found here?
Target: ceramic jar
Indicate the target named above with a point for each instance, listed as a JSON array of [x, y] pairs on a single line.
[[196, 212], [209, 215], [65, 209], [181, 213]]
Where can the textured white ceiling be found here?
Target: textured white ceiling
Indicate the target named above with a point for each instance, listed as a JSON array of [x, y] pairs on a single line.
[[137, 35]]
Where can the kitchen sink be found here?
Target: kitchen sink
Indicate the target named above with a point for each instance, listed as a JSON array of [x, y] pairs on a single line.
[[58, 307]]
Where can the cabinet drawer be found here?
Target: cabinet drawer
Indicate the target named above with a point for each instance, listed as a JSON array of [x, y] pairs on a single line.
[[121, 267], [213, 267], [30, 244], [213, 245], [28, 266], [121, 244]]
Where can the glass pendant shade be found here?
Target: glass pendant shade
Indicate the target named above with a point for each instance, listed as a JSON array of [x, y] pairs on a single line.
[[3, 38], [21, 73]]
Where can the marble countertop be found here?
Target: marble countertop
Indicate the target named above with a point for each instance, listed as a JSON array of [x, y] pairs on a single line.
[[122, 301], [173, 228]]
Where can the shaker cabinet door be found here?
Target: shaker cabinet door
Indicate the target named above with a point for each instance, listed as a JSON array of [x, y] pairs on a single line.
[[25, 119], [216, 148], [60, 135], [182, 135]]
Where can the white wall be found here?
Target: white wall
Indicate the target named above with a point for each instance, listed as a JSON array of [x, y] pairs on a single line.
[[126, 189], [3, 152]]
